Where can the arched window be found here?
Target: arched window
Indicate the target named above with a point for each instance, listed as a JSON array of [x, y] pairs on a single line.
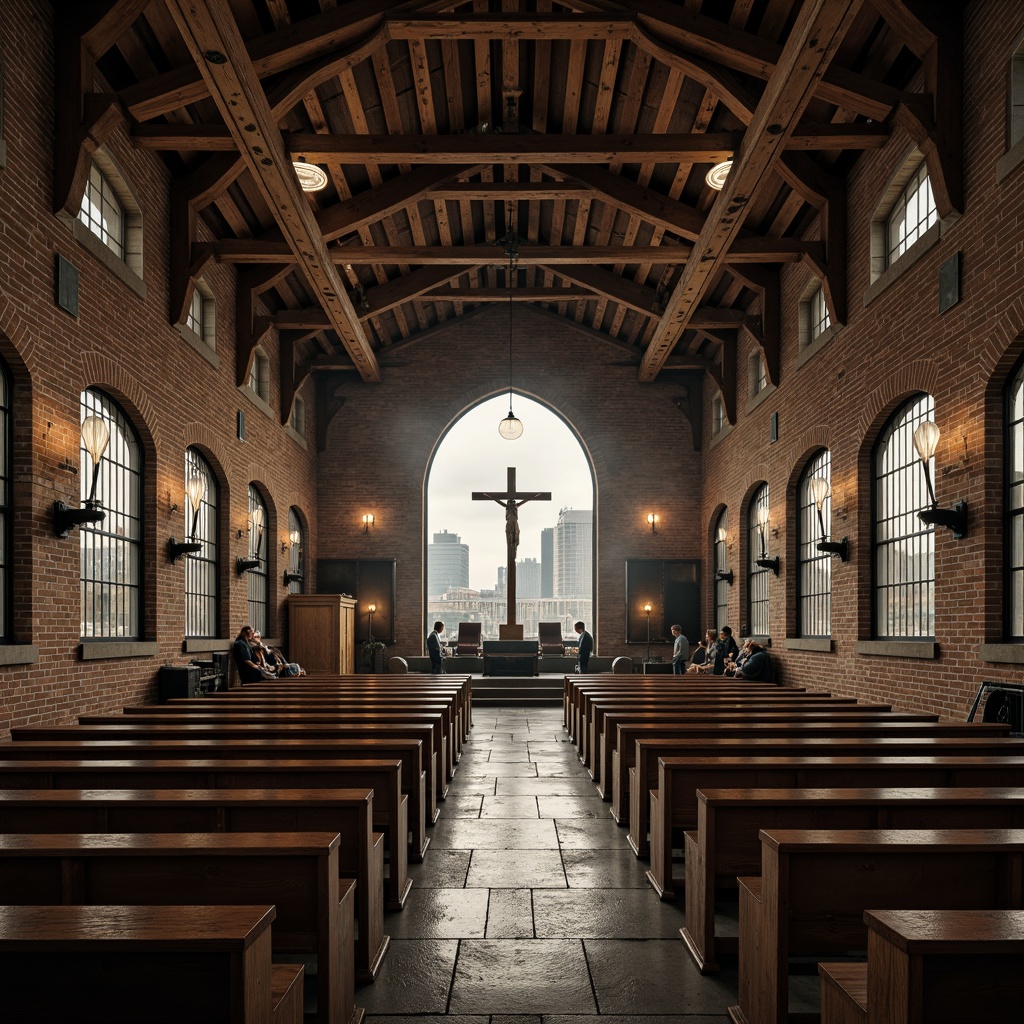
[[1017, 95], [814, 579], [111, 573], [296, 553], [202, 568], [110, 213], [5, 504], [721, 565], [911, 215], [258, 545], [259, 375], [757, 548], [201, 316], [904, 546], [1014, 543]]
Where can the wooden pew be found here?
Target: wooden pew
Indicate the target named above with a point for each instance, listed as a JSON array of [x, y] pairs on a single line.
[[409, 751], [384, 777], [261, 724], [928, 965], [813, 741], [169, 964], [815, 886], [623, 728], [349, 812], [726, 843], [674, 804], [296, 872]]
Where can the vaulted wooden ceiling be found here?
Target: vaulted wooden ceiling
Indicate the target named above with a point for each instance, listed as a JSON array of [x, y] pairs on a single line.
[[576, 134]]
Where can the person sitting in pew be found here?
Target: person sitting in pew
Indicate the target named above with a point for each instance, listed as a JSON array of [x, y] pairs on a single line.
[[703, 659], [272, 660], [758, 665], [732, 666], [242, 650]]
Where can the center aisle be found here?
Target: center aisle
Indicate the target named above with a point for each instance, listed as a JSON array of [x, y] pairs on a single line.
[[530, 901]]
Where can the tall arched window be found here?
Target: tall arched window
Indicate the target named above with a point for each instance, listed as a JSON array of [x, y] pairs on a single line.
[[5, 504], [258, 544], [201, 569], [904, 546], [757, 576], [1014, 543], [111, 573], [814, 580], [721, 565], [296, 553]]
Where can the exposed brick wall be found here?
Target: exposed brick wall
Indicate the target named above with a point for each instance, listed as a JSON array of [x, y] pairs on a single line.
[[173, 395]]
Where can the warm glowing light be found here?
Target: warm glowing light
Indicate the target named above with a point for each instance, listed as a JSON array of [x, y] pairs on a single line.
[[717, 175], [311, 177]]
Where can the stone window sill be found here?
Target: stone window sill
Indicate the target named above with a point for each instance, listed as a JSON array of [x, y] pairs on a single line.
[[922, 649], [822, 644], [1010, 160], [1002, 654], [197, 646], [260, 404], [100, 650], [756, 400], [720, 436], [88, 241], [19, 654]]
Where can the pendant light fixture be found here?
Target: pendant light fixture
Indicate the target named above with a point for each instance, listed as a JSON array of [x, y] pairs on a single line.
[[510, 428]]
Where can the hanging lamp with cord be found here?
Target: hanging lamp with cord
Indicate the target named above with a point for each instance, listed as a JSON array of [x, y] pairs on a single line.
[[510, 427]]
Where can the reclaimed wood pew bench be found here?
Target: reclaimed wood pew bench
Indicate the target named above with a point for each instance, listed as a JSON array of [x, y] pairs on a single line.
[[439, 713], [349, 812], [203, 965], [674, 804], [792, 739], [726, 843], [815, 886], [241, 725], [409, 751], [931, 965], [295, 872], [623, 728], [382, 776]]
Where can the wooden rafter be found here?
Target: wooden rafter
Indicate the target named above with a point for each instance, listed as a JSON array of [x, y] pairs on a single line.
[[817, 32], [217, 47]]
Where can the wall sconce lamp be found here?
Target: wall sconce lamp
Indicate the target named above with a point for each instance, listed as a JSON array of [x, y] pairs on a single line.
[[652, 521], [926, 440], [764, 562], [245, 564], [293, 575], [820, 490], [725, 575], [647, 611], [367, 522], [370, 609], [195, 490], [95, 437]]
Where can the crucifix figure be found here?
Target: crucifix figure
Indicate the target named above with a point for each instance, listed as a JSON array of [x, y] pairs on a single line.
[[510, 501]]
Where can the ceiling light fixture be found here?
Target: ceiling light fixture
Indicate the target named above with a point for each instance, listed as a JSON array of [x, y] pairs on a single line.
[[510, 428], [312, 178], [717, 175]]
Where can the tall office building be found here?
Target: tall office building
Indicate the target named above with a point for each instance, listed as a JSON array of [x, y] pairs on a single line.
[[527, 578], [574, 553], [547, 562], [447, 563]]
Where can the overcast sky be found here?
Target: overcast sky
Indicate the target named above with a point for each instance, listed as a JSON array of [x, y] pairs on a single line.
[[475, 457]]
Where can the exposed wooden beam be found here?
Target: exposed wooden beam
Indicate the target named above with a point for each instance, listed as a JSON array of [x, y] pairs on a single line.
[[408, 287], [744, 250], [449, 294], [107, 19], [510, 26], [816, 34], [211, 35], [502, 190], [618, 289]]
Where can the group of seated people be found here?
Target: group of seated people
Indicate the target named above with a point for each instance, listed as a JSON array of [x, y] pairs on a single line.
[[255, 660], [718, 654]]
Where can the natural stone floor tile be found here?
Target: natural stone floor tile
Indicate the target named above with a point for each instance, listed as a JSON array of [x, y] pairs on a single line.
[[591, 834], [606, 914], [441, 869], [545, 787], [514, 869], [512, 755], [509, 807], [494, 834], [561, 767], [654, 976], [516, 976], [689, 1018], [415, 977], [605, 869], [510, 914], [462, 806], [573, 807], [441, 914], [428, 1018], [524, 770]]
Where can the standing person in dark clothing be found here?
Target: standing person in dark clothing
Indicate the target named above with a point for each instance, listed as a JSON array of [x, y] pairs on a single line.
[[584, 648], [434, 648]]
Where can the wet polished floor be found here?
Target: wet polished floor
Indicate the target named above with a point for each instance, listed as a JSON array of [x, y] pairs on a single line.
[[530, 903]]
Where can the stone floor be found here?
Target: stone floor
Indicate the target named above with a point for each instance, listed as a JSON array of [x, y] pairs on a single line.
[[530, 904]]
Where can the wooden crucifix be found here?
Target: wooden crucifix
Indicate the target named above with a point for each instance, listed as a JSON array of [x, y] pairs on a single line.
[[510, 501]]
